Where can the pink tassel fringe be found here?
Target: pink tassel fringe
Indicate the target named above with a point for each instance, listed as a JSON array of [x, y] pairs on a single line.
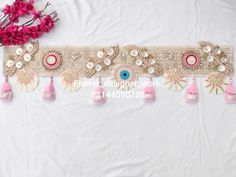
[[230, 92], [49, 91], [149, 92], [6, 91], [99, 96], [191, 96]]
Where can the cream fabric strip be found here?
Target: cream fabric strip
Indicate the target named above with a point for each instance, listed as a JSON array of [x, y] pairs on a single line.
[[100, 61]]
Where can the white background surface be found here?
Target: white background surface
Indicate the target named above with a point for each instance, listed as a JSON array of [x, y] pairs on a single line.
[[126, 137]]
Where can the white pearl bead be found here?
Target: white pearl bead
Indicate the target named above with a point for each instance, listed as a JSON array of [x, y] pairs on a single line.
[[19, 65], [221, 68], [145, 54], [110, 51], [98, 67], [19, 51], [90, 65], [224, 59], [138, 62], [10, 63], [107, 61], [152, 61], [100, 54], [151, 70], [134, 53], [27, 57], [218, 51], [206, 49], [210, 58]]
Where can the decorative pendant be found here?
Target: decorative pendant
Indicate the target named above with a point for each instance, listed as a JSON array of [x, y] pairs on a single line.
[[149, 92], [175, 79], [125, 76], [49, 91], [215, 82], [27, 80], [99, 96], [192, 93], [70, 80], [191, 60], [52, 61], [175, 63], [230, 92], [6, 91]]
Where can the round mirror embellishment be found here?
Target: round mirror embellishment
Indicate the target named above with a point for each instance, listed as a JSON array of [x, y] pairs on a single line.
[[191, 60], [52, 61]]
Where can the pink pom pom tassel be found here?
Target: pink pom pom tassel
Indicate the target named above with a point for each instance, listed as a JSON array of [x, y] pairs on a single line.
[[149, 92], [230, 93], [49, 91], [192, 93], [6, 91], [99, 96]]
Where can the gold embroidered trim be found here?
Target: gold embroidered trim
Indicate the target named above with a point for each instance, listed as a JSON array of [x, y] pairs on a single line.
[[100, 61]]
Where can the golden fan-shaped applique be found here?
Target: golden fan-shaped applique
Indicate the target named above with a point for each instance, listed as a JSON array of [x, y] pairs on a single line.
[[175, 79], [70, 80], [216, 83], [27, 80]]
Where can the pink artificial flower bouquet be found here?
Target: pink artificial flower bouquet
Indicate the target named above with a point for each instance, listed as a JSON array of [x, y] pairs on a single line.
[[13, 33]]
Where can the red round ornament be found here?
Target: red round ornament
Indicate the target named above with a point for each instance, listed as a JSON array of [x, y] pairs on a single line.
[[52, 60], [191, 60]]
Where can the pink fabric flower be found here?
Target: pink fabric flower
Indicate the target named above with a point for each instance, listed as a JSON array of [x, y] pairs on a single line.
[[37, 15], [12, 34], [47, 23]]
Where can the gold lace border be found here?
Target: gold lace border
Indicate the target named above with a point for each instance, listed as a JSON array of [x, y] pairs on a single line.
[[101, 61]]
